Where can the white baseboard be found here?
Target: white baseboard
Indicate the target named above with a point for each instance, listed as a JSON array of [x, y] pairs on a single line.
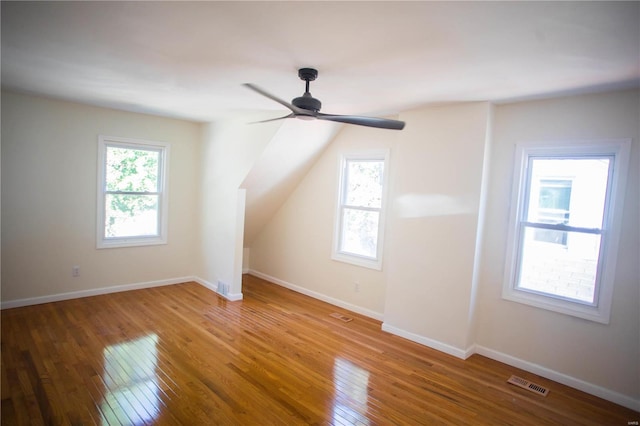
[[114, 289], [590, 388], [232, 297], [434, 344], [93, 292], [333, 301]]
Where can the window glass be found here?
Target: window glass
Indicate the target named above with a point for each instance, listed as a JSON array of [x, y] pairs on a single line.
[[132, 181], [131, 215], [360, 232], [130, 169], [364, 183], [566, 270]]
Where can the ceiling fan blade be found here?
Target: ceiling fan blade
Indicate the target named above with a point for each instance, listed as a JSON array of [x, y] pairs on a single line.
[[293, 108], [274, 119], [383, 123]]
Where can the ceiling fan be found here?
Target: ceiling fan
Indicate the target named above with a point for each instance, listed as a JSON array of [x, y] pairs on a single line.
[[308, 107]]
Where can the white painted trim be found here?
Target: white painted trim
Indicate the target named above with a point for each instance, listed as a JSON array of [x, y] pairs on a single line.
[[590, 388], [333, 301], [18, 303], [93, 292], [232, 297], [433, 344]]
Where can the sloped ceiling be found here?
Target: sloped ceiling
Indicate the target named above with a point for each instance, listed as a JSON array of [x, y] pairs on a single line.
[[284, 162]]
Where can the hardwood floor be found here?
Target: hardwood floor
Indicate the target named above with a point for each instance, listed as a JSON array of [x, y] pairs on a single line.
[[182, 355]]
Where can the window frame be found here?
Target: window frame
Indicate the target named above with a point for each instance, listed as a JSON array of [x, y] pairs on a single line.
[[618, 150], [105, 142], [348, 257]]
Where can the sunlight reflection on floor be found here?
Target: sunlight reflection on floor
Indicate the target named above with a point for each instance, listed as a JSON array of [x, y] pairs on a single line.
[[351, 393], [130, 378]]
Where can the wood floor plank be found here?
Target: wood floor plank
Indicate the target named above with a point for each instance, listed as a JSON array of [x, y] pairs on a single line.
[[182, 355]]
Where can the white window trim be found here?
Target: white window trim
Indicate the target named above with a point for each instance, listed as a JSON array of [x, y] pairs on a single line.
[[351, 258], [163, 203], [611, 229]]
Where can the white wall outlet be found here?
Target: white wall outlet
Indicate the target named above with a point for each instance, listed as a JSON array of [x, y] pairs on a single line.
[[356, 286], [75, 271]]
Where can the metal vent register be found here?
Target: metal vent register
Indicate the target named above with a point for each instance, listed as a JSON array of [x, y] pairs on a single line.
[[525, 384], [340, 317]]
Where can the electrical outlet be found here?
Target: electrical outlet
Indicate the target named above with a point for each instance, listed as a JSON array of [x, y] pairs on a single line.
[[75, 271], [356, 286]]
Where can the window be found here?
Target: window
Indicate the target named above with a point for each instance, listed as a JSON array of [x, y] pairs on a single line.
[[360, 215], [132, 197], [564, 229]]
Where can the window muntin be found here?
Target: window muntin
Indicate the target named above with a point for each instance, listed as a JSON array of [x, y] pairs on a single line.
[[132, 192], [359, 221], [563, 236]]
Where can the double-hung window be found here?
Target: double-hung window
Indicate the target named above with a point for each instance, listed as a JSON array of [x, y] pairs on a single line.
[[132, 192], [565, 226], [360, 213]]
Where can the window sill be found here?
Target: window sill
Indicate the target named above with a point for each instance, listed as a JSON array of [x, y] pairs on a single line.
[[130, 242], [358, 261], [576, 309]]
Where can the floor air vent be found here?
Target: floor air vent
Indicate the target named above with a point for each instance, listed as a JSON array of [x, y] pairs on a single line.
[[341, 317], [525, 384]]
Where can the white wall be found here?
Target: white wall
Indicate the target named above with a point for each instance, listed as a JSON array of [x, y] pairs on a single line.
[[229, 150], [49, 179], [431, 253], [605, 357]]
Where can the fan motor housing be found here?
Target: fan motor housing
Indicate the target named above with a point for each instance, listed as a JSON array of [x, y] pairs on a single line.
[[307, 102]]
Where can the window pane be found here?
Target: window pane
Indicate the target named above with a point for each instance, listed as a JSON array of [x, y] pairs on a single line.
[[567, 270], [131, 215], [359, 232], [568, 191], [364, 183], [132, 170]]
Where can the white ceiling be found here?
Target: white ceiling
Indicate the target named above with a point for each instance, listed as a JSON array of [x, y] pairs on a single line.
[[189, 59]]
